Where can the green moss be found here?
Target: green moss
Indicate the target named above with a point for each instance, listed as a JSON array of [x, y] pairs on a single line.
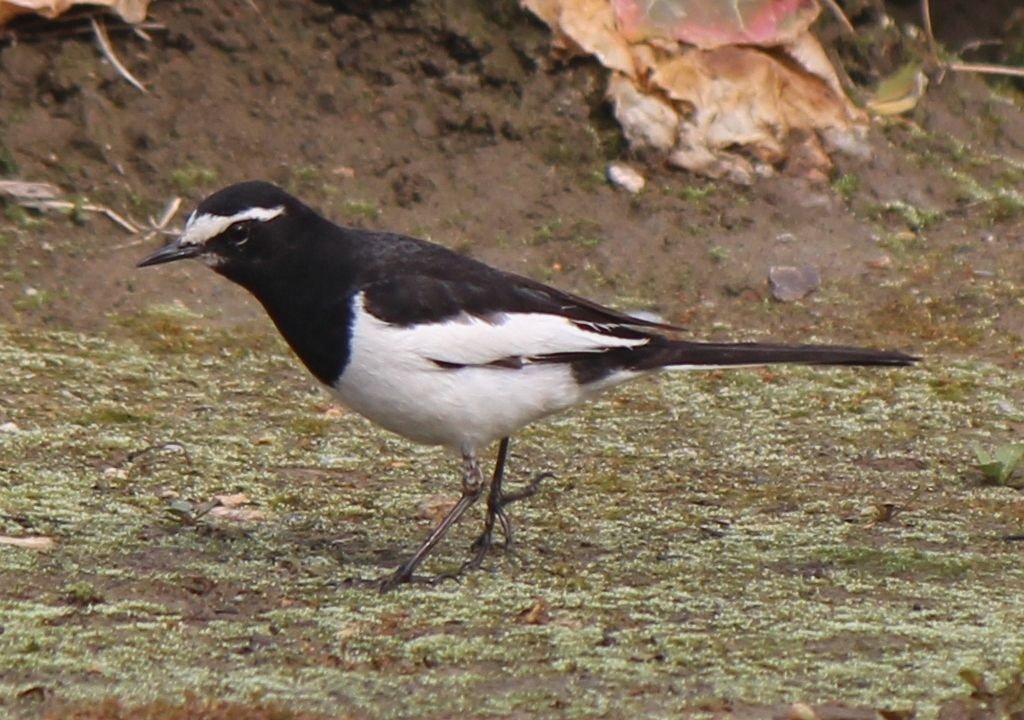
[[361, 209], [718, 254], [81, 594], [190, 178], [703, 536], [8, 165], [110, 416], [585, 234], [900, 562], [21, 217], [37, 300], [913, 217], [846, 186], [696, 193]]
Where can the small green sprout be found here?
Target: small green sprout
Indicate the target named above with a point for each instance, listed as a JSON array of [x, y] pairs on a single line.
[[362, 209], [999, 466]]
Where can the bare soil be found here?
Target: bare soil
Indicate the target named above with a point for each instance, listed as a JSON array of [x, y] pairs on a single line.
[[450, 120]]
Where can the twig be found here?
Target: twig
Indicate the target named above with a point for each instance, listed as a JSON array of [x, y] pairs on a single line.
[[156, 227], [88, 207], [926, 19], [840, 16], [986, 68], [108, 53], [169, 211], [975, 44]]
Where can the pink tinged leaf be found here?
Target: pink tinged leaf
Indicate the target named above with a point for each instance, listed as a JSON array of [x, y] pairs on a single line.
[[713, 23]]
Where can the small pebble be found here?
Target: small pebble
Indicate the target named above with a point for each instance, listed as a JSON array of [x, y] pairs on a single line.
[[625, 178], [9, 427], [790, 283], [801, 711]]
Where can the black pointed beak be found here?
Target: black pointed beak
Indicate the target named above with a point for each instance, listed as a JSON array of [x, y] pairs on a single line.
[[170, 252]]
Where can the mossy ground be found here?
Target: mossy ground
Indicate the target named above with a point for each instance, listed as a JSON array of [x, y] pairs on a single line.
[[711, 545], [750, 537]]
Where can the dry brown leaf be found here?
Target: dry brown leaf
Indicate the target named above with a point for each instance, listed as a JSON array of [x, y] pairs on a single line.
[[31, 542], [546, 10], [435, 507], [536, 614], [811, 56], [232, 500], [741, 96], [132, 11], [586, 26], [591, 25], [237, 514], [734, 111], [710, 24], [647, 121]]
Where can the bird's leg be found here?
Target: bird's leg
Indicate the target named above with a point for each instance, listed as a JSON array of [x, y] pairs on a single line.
[[472, 486], [496, 502], [483, 543]]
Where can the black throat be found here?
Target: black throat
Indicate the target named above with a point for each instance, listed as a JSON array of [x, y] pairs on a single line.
[[308, 294], [319, 333]]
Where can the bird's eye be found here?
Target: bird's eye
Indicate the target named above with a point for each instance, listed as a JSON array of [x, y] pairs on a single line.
[[237, 233]]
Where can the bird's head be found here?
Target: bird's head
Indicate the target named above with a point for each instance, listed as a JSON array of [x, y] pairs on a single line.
[[237, 231]]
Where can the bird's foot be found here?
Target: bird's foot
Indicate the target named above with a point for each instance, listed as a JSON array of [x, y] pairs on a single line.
[[496, 512], [496, 504]]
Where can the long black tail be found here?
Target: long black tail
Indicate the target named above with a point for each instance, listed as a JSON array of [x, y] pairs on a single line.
[[679, 353]]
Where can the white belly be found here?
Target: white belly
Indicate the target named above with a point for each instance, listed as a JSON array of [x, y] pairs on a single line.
[[402, 377], [466, 408]]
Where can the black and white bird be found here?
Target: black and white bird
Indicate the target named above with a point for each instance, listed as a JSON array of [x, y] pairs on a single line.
[[438, 347]]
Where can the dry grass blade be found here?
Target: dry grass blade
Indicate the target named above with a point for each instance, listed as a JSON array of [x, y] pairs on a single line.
[[32, 542], [23, 191], [926, 20], [68, 206], [108, 53], [840, 16], [986, 68], [157, 226], [169, 212], [44, 196]]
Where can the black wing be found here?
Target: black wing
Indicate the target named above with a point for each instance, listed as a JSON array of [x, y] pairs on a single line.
[[412, 281]]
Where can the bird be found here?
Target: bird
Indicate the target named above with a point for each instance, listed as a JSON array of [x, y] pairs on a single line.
[[439, 347]]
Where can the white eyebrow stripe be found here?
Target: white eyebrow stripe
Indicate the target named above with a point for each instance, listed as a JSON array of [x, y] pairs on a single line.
[[201, 228]]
